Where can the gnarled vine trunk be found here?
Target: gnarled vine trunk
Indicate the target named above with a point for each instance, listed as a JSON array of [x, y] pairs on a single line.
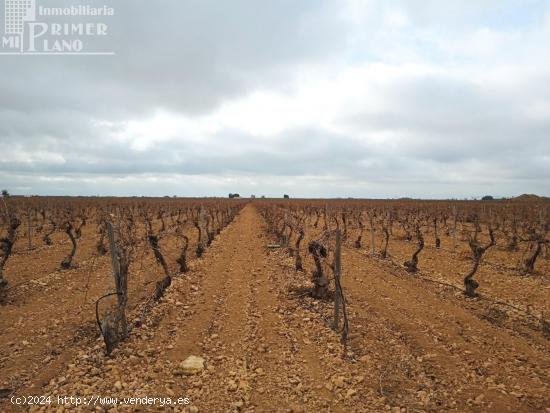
[[68, 260], [470, 285], [6, 245], [384, 252], [100, 246], [412, 264], [182, 259], [167, 280], [528, 264], [46, 238], [320, 280], [298, 262]]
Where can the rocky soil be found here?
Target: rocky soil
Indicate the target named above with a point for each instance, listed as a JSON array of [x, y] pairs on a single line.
[[238, 333]]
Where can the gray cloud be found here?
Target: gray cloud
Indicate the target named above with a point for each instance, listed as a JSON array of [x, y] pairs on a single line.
[[387, 99], [182, 55]]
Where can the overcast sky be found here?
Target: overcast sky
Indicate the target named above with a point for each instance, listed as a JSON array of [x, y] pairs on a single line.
[[420, 98]]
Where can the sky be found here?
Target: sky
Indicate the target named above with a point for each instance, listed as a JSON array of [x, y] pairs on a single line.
[[311, 98]]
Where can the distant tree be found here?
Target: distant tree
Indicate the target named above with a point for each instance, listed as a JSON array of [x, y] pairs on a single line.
[[487, 198], [286, 196], [5, 193], [234, 196]]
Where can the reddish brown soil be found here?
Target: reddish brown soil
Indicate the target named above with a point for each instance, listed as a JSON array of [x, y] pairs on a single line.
[[498, 274], [415, 346]]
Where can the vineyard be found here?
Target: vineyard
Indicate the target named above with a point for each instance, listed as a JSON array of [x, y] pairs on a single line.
[[283, 305]]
